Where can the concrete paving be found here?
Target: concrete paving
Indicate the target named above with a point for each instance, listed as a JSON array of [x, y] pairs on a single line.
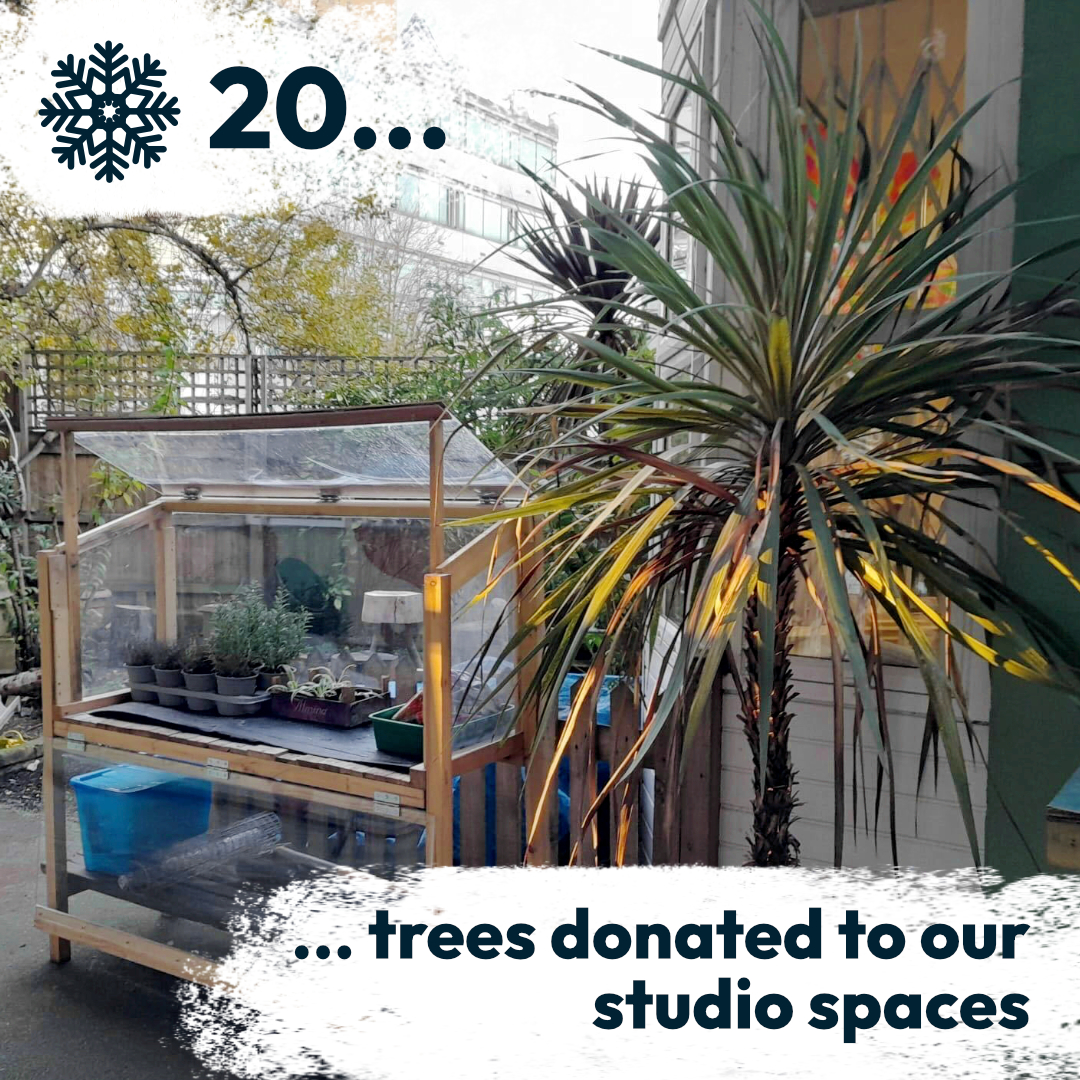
[[92, 1018]]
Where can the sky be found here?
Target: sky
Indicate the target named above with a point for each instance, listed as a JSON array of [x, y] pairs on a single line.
[[524, 45]]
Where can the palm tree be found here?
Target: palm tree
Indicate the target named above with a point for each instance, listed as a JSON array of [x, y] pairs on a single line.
[[832, 394], [562, 252]]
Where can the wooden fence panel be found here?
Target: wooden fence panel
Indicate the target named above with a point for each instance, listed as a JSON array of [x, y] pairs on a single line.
[[582, 755], [508, 814], [472, 818], [625, 799], [699, 792]]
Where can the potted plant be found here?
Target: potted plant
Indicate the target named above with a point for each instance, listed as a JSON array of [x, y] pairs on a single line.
[[167, 672], [139, 660], [324, 699], [284, 633], [237, 627], [198, 670]]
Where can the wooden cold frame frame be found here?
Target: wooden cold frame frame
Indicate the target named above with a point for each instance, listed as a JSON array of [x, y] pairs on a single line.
[[425, 793]]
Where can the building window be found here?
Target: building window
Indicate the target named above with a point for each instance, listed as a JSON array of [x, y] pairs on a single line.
[[901, 39], [450, 213], [681, 134]]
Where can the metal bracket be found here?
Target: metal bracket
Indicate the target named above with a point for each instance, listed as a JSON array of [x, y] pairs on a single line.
[[387, 804], [217, 768]]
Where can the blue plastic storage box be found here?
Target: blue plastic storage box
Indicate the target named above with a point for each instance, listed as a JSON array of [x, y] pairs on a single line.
[[128, 812]]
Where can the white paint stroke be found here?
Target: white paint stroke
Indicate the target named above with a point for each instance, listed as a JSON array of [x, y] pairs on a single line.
[[532, 1018]]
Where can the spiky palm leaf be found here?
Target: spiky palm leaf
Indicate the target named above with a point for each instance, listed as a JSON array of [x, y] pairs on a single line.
[[564, 253], [830, 396]]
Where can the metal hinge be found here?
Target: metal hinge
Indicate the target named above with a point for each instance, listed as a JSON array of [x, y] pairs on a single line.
[[387, 804], [217, 768]]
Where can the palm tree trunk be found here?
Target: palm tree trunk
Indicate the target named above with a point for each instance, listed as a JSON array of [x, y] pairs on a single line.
[[774, 802]]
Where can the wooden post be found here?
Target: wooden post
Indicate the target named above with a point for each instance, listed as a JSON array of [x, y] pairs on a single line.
[[539, 749], [472, 815], [438, 717], [582, 755], [52, 792], [507, 814], [666, 754], [165, 578], [435, 491], [625, 728], [699, 794], [69, 473], [61, 658]]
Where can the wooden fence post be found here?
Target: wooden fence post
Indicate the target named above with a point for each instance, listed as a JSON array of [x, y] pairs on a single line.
[[539, 748], [625, 799], [699, 794], [52, 785]]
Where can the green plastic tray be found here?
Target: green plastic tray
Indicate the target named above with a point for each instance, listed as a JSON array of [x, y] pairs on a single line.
[[397, 736]]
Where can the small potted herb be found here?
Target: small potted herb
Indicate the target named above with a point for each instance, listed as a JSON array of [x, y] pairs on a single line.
[[139, 660], [167, 673], [237, 627], [198, 669], [284, 634]]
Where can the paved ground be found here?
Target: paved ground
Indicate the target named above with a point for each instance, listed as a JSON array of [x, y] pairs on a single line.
[[95, 1017]]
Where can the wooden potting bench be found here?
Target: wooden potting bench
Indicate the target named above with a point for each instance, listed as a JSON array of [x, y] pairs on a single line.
[[420, 796]]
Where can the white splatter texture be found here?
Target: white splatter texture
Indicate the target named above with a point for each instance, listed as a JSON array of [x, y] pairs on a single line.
[[387, 84], [532, 1018]]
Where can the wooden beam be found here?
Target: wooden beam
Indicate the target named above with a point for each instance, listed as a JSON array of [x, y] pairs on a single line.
[[98, 701], [151, 954], [165, 578], [109, 530], [346, 778], [540, 747], [403, 508], [62, 660], [52, 793], [283, 788], [438, 717], [312, 418], [511, 749], [478, 555], [70, 482]]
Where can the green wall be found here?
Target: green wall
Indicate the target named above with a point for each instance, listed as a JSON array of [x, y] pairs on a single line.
[[1035, 733]]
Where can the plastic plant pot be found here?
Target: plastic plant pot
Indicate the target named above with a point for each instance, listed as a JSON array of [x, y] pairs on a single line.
[[228, 686], [206, 683], [266, 679], [140, 675], [170, 677]]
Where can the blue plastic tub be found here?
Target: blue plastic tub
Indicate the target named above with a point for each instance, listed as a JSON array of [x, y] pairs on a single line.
[[128, 812]]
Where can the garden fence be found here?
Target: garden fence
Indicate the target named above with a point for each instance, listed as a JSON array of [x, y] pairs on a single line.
[[64, 382]]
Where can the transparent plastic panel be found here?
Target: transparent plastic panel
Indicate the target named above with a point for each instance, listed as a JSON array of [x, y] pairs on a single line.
[[483, 684], [360, 580], [372, 457], [118, 607], [160, 850]]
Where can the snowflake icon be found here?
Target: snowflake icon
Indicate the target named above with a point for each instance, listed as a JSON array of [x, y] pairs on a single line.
[[108, 111]]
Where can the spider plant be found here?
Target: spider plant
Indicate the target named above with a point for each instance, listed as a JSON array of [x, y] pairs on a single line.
[[837, 434], [320, 685]]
